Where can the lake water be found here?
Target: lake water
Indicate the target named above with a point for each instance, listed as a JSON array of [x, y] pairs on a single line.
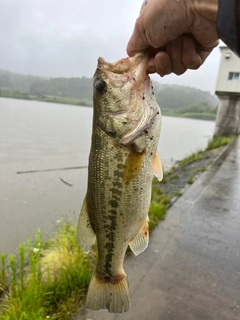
[[38, 136]]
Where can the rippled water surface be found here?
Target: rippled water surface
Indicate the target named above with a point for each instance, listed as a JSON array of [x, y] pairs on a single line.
[[39, 136]]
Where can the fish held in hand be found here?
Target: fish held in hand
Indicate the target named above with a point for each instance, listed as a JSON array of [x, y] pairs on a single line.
[[122, 161]]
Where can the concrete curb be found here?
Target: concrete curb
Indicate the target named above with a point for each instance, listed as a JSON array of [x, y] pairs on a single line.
[[213, 167]]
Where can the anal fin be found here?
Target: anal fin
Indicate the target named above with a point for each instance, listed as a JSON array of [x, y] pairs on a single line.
[[85, 233], [157, 169], [140, 242]]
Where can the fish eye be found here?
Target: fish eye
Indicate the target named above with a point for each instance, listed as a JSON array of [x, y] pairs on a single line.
[[100, 85]]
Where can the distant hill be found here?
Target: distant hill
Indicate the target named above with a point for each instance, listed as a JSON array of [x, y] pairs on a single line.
[[184, 101], [17, 82], [63, 90], [174, 100], [175, 96]]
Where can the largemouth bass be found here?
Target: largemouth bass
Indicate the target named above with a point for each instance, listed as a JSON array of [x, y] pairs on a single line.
[[122, 161]]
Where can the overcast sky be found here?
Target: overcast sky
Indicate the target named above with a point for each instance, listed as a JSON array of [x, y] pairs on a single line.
[[65, 38]]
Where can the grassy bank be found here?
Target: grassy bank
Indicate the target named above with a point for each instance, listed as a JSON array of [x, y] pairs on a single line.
[[179, 113], [181, 175], [191, 115], [13, 95], [45, 98], [65, 100], [48, 280], [45, 280]]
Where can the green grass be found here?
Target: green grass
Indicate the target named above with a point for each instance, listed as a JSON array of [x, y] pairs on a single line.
[[200, 116], [214, 143], [68, 100], [217, 142], [13, 94], [177, 193], [197, 156], [48, 280], [202, 169], [63, 100], [190, 179], [192, 115], [45, 280], [157, 212], [159, 204], [163, 192]]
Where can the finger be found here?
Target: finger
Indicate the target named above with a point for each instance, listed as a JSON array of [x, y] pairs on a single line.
[[190, 57], [193, 55], [151, 67], [174, 50], [163, 64], [138, 41], [205, 52]]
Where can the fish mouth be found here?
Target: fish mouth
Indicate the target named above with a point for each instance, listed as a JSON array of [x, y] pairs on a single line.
[[135, 68], [139, 115]]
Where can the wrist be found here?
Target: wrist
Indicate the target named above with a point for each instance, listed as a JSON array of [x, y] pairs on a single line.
[[206, 8]]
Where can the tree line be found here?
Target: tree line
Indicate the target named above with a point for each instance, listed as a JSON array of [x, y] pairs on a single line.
[[173, 99]]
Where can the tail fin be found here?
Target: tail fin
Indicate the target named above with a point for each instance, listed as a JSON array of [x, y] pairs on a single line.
[[106, 295]]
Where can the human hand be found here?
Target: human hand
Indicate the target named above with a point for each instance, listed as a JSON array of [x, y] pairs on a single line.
[[178, 34]]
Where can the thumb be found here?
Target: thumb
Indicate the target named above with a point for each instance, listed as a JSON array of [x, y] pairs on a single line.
[[138, 41]]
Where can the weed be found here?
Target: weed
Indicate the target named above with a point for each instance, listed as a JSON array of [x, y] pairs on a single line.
[[177, 193], [49, 280], [217, 142], [192, 158], [159, 204], [157, 212], [201, 169], [156, 190], [173, 176], [190, 179], [3, 275], [46, 280]]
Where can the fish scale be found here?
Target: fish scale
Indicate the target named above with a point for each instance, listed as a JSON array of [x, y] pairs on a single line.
[[103, 210]]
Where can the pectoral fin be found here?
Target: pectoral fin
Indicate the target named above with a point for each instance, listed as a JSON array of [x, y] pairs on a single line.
[[85, 233], [140, 242], [157, 169]]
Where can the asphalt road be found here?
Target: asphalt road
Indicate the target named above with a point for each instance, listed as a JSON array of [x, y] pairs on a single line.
[[191, 270]]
